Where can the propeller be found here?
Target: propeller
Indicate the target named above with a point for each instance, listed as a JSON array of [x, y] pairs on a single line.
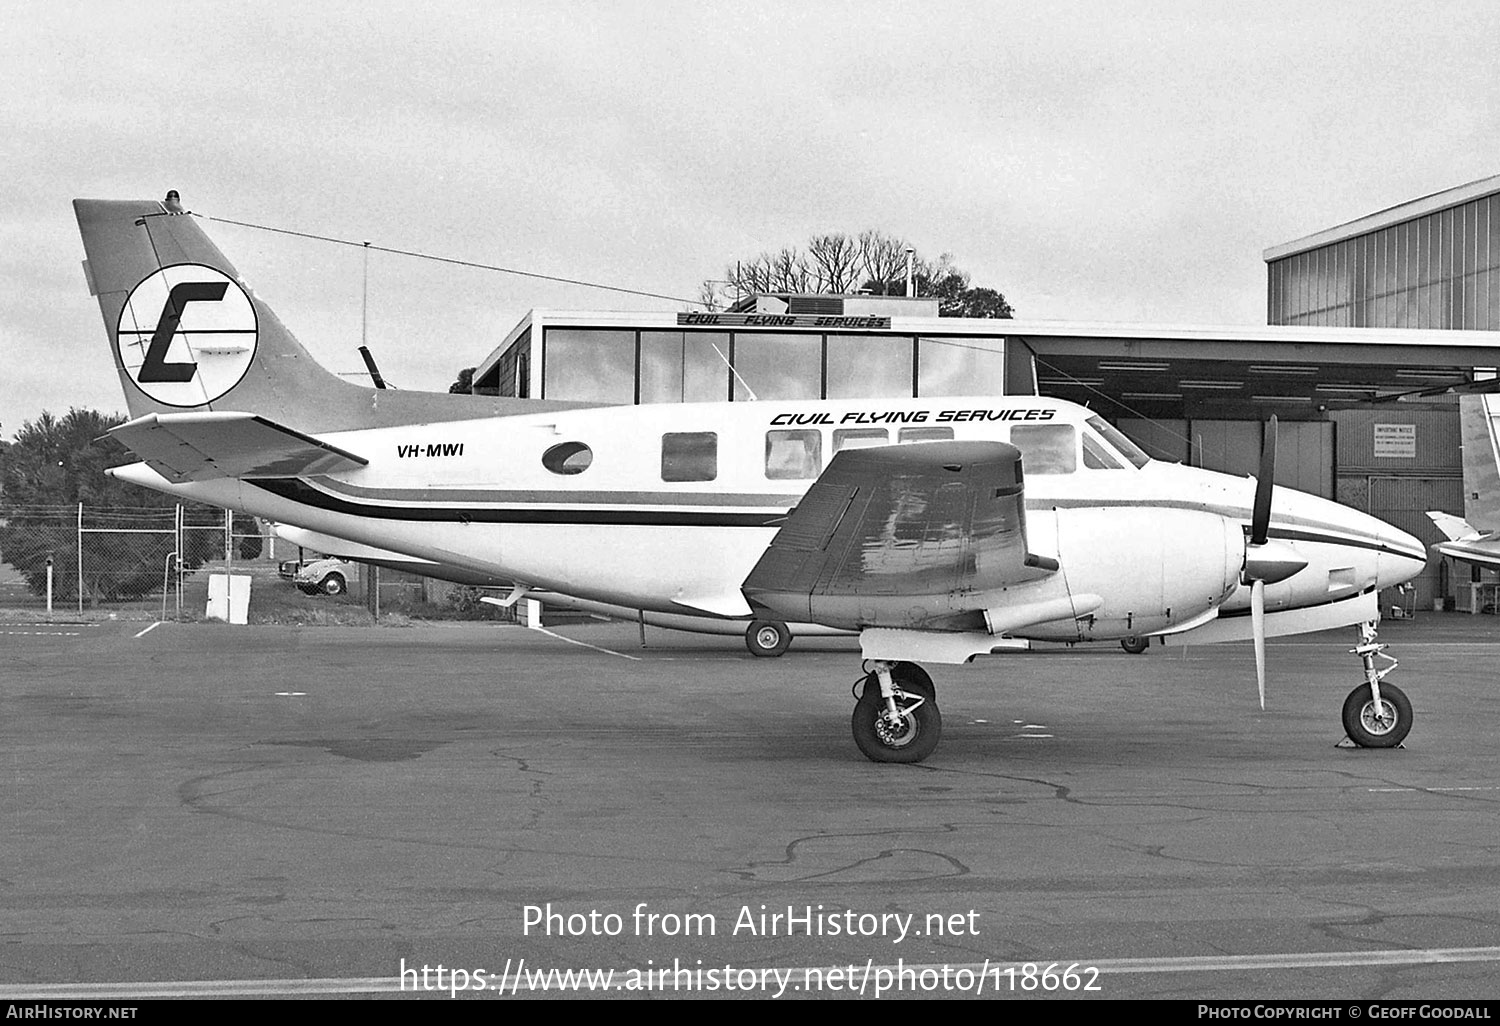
[[1266, 562]]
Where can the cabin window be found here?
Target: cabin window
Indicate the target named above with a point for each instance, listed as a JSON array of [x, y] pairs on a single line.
[[689, 456], [925, 434], [568, 458], [794, 455], [859, 438], [1046, 448], [1097, 457]]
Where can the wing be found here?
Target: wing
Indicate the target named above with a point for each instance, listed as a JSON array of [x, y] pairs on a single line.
[[905, 535], [198, 446]]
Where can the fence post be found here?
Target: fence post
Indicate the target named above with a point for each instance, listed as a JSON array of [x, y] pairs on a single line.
[[49, 584], [228, 541], [80, 559]]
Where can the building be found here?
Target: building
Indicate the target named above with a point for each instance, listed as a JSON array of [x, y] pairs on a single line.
[[1429, 263], [1330, 368]]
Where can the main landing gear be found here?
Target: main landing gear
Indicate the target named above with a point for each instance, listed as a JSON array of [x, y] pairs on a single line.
[[896, 718], [767, 638], [1376, 715]]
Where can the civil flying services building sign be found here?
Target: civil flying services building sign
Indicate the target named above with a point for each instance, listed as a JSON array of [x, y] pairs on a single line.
[[769, 320]]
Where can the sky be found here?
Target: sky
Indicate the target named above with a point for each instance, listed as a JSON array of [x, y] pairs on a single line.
[[1093, 161]]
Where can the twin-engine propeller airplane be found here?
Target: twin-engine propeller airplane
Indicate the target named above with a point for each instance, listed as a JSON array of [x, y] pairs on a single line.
[[920, 533]]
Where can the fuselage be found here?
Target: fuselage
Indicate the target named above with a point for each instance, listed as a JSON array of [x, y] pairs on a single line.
[[669, 507]]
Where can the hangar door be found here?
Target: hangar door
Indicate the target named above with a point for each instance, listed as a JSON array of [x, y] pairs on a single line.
[[1304, 449]]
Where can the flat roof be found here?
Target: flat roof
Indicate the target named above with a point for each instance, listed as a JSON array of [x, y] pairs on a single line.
[[1223, 341], [1407, 211]]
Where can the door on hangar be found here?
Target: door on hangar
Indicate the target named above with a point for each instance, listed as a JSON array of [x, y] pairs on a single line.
[[1304, 451]]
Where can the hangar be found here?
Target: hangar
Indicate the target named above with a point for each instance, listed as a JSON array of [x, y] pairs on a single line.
[[1372, 322]]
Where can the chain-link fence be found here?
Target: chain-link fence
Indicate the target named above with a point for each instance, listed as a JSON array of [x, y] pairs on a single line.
[[82, 557], [157, 560]]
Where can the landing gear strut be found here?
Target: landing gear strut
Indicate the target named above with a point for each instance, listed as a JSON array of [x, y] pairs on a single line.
[[896, 718], [1376, 715]]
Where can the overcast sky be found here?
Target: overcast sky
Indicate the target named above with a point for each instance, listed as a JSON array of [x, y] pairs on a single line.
[[1092, 161]]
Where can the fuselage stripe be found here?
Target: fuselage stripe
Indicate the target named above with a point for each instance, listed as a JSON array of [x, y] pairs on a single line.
[[298, 490]]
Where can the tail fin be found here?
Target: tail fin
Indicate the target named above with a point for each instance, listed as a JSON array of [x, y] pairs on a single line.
[[187, 333], [1478, 414]]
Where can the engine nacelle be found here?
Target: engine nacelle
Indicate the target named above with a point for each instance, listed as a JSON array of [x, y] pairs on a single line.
[[1153, 568]]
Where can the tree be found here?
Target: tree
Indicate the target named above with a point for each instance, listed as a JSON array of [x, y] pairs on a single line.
[[465, 383], [871, 262], [53, 465]]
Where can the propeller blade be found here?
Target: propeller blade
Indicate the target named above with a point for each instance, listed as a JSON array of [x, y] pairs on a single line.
[[1260, 517], [1258, 629]]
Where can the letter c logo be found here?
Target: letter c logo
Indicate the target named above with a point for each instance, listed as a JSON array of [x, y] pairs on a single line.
[[186, 335]]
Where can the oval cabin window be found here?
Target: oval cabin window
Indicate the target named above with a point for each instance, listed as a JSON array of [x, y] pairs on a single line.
[[568, 458]]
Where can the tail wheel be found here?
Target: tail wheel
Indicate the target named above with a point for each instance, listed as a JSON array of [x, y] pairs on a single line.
[[767, 638], [915, 733], [1368, 730], [334, 584]]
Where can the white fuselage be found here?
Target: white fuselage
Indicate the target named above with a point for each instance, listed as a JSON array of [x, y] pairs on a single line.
[[674, 505]]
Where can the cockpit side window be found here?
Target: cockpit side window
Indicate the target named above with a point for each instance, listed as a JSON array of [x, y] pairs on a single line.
[[1117, 440], [1097, 457], [1046, 448]]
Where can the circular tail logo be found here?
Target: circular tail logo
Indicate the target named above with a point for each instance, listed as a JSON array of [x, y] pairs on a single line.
[[187, 335]]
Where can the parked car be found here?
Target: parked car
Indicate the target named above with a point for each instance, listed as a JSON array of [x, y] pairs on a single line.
[[328, 576]]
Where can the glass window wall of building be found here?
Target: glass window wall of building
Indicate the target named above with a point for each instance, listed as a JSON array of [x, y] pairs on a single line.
[[773, 366], [869, 365], [626, 365], [589, 365], [684, 367], [960, 366]]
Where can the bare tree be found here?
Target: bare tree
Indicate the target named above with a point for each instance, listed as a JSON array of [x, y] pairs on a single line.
[[835, 262], [871, 261]]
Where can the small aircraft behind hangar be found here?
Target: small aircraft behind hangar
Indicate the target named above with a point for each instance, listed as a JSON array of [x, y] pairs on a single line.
[[939, 529]]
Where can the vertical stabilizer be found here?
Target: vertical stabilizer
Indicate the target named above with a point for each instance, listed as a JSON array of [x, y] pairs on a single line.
[[1477, 416], [185, 330]]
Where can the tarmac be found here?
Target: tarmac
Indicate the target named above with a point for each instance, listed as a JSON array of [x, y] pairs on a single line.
[[207, 810]]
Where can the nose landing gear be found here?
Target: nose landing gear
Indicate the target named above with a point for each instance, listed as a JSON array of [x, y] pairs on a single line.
[[896, 718], [1376, 715]]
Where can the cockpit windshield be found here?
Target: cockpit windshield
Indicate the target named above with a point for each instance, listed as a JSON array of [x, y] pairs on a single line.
[[1117, 441]]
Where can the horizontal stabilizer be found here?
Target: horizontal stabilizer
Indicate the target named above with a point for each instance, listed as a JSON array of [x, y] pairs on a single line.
[[1456, 528], [1483, 550], [200, 446]]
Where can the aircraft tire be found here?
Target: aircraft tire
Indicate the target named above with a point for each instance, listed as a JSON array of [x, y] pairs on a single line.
[[1135, 645], [922, 728], [334, 584], [767, 638], [1361, 724]]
